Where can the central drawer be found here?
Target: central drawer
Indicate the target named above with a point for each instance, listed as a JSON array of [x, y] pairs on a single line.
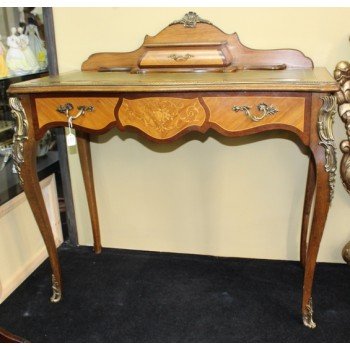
[[179, 58], [161, 118]]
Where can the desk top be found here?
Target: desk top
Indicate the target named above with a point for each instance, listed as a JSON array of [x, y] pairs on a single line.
[[314, 79]]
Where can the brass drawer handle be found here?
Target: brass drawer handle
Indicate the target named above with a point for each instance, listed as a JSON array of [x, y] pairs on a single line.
[[262, 107], [65, 109], [179, 58]]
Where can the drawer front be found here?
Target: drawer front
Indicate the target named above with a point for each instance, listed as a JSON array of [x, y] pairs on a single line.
[[161, 117], [164, 117], [239, 113], [183, 57], [98, 119]]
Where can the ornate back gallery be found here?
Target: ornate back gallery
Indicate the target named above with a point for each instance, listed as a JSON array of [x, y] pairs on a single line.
[[181, 47]]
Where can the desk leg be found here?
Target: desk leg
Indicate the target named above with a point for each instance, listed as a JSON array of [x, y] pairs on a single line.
[[24, 157], [318, 224], [83, 141], [325, 160], [309, 193]]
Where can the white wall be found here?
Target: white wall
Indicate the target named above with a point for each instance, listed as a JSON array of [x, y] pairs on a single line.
[[22, 248], [217, 196]]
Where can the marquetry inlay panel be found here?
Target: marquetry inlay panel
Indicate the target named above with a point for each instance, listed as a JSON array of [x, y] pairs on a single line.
[[161, 117]]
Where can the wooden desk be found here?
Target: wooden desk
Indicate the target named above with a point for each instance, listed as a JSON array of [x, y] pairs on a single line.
[[229, 88]]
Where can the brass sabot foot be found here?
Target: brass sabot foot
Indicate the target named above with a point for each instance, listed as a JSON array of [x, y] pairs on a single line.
[[307, 317], [56, 291]]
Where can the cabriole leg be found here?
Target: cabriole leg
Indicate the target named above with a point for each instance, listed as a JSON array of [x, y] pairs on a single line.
[[325, 166], [24, 156], [318, 224], [309, 193]]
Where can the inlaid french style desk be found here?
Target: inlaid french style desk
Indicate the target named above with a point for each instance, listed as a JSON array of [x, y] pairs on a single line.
[[190, 77]]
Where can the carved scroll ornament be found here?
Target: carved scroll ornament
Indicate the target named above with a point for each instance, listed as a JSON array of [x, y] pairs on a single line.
[[190, 20], [342, 76], [21, 134], [325, 133]]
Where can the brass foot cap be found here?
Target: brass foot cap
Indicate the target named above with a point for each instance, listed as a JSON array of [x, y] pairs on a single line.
[[308, 322], [56, 291]]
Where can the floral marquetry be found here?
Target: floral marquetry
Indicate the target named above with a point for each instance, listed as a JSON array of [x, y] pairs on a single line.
[[161, 117]]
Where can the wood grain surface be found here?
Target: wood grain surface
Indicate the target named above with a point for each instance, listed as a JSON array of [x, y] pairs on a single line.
[[290, 111], [203, 34], [99, 119]]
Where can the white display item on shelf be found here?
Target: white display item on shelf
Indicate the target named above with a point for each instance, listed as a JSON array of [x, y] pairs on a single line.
[[3, 66], [37, 45], [28, 53], [15, 58]]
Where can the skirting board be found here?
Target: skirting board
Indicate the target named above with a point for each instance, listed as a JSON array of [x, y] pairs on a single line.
[[48, 185]]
